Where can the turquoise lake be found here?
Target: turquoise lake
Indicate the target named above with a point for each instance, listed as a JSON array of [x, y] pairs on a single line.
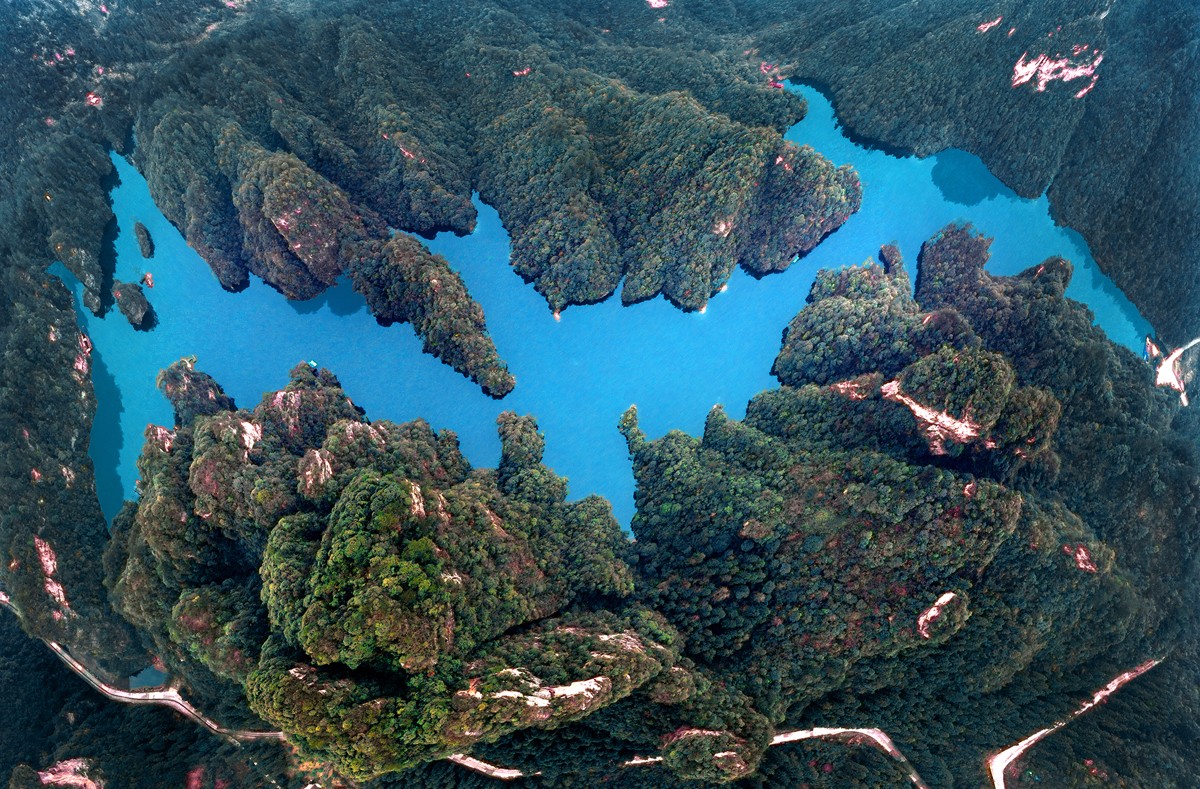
[[576, 375]]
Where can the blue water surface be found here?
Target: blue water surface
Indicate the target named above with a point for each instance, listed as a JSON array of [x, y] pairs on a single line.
[[576, 375]]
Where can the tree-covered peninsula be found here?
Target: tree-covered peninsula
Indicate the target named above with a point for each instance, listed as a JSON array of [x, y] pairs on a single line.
[[365, 590], [945, 524]]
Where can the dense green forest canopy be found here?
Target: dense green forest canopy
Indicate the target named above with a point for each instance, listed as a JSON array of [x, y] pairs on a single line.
[[980, 440], [1090, 101], [952, 517]]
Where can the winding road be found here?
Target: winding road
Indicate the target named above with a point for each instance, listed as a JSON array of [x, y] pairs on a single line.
[[877, 737], [997, 764], [168, 697]]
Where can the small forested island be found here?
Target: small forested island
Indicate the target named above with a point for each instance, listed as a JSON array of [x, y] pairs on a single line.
[[961, 516], [144, 239], [134, 305]]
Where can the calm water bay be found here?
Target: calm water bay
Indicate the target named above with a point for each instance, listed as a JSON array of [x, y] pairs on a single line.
[[576, 375]]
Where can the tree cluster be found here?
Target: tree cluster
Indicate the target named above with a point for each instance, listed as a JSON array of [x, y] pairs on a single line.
[[361, 587]]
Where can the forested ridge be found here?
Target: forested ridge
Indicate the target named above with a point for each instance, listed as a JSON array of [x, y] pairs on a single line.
[[292, 142]]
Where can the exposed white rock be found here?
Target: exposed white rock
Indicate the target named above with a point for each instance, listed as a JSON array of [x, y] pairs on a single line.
[[418, 501]]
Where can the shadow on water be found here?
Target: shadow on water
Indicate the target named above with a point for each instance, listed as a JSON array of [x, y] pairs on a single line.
[[342, 300], [148, 677], [852, 135], [1098, 281], [108, 246], [108, 265], [149, 322], [107, 438], [963, 178]]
